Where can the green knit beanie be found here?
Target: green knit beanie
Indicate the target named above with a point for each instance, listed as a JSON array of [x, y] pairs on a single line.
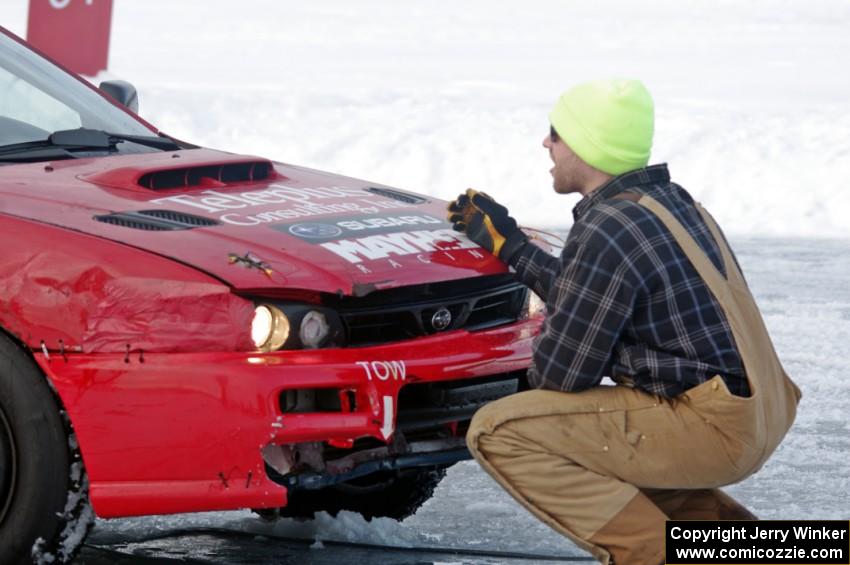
[[608, 123]]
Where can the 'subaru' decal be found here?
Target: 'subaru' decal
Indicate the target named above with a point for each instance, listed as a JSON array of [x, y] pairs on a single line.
[[316, 232]]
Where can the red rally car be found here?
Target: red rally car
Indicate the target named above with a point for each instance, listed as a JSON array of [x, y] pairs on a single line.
[[183, 329]]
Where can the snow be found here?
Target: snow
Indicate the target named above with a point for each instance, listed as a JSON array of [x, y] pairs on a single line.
[[79, 513], [346, 526], [753, 115], [752, 97], [38, 553]]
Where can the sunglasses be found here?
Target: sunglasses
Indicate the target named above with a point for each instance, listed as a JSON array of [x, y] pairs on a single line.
[[553, 135]]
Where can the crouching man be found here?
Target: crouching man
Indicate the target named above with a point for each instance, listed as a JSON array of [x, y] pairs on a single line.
[[648, 293]]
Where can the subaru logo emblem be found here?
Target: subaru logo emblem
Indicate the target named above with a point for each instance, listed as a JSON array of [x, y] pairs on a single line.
[[441, 319], [315, 231]]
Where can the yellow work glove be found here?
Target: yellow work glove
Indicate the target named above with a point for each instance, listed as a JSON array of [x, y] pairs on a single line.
[[487, 223]]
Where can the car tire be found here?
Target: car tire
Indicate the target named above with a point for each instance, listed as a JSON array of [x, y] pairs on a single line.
[[44, 509], [396, 495]]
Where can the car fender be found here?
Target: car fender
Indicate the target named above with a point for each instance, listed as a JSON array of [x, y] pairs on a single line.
[[70, 292]]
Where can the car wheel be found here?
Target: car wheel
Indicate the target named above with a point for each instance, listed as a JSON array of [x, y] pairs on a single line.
[[44, 510], [396, 495]]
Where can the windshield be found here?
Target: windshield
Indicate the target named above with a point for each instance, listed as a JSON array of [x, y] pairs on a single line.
[[38, 98]]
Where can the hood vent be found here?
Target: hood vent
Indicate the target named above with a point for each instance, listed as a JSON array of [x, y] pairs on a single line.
[[156, 220], [397, 195], [207, 176]]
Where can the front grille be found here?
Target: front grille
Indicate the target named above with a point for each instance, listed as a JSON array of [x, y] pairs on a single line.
[[425, 406], [398, 314]]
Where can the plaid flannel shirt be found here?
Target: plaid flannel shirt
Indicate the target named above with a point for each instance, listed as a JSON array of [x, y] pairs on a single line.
[[623, 300]]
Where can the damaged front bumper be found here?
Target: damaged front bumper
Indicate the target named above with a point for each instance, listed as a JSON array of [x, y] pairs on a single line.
[[419, 456], [184, 432], [429, 431]]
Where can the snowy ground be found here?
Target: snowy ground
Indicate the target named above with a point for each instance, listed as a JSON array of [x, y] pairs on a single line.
[[753, 98], [753, 115]]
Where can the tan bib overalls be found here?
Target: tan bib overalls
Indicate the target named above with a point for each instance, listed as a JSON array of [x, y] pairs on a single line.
[[607, 466]]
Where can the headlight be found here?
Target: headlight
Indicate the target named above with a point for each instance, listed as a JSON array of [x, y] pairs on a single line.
[[535, 307], [270, 328], [314, 329]]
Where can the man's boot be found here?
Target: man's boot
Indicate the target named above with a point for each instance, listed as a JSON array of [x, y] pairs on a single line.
[[635, 536]]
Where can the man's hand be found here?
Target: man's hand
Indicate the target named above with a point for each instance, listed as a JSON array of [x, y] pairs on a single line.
[[487, 223]]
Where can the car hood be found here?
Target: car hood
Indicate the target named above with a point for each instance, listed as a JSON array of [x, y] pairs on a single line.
[[256, 225]]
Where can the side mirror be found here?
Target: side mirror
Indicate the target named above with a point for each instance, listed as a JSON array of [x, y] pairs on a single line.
[[122, 92]]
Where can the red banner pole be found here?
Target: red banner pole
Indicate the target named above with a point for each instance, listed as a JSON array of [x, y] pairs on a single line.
[[73, 32]]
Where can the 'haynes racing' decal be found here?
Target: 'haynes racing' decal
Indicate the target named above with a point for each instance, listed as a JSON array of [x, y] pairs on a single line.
[[384, 246]]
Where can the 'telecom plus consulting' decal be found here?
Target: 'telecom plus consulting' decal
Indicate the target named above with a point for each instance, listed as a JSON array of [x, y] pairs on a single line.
[[280, 203]]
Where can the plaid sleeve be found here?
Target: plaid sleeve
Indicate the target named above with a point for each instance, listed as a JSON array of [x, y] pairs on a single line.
[[590, 300], [535, 268]]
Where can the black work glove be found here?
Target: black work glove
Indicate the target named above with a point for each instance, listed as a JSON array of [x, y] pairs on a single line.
[[487, 223]]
